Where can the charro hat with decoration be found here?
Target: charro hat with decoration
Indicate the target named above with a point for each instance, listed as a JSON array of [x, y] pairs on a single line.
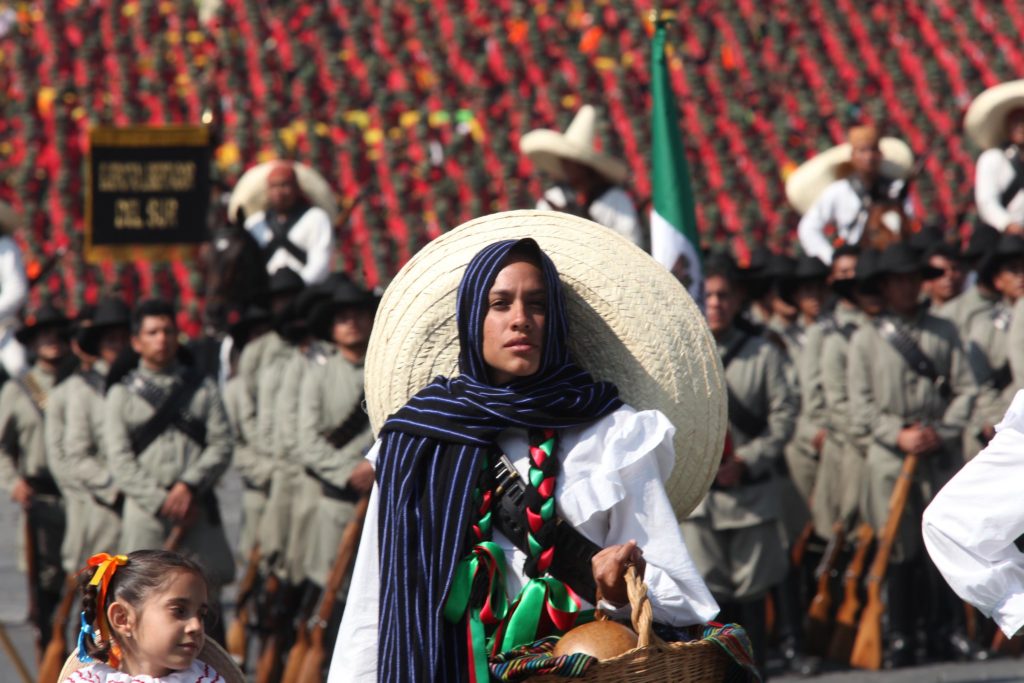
[[546, 148]]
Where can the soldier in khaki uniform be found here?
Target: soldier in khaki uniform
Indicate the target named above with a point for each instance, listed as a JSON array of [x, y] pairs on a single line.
[[86, 457], [837, 492], [979, 298], [735, 534], [23, 464], [987, 345], [334, 430], [902, 404], [168, 469]]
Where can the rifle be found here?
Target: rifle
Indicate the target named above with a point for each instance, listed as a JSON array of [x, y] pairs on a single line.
[[799, 549], [867, 648], [268, 668], [312, 665], [57, 649], [33, 588], [846, 618], [819, 616], [236, 635]]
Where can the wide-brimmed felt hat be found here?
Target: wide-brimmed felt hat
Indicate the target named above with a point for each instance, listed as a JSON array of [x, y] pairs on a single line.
[[985, 120], [1007, 248], [250, 192], [863, 276], [343, 293], [546, 148], [110, 313], [46, 316], [902, 259], [631, 323], [983, 239], [810, 268], [285, 281], [805, 184], [252, 315], [212, 654]]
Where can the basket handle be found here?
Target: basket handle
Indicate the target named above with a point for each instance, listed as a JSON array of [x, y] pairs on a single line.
[[642, 615]]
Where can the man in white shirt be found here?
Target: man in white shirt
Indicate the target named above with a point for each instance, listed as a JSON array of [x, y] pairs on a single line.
[[292, 233], [846, 202], [999, 179], [13, 294], [589, 182], [974, 528]]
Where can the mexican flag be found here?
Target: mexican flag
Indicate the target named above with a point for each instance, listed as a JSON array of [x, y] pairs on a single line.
[[674, 242]]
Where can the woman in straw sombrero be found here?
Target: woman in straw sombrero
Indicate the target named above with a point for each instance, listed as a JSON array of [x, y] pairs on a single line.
[[995, 122], [438, 585], [589, 182]]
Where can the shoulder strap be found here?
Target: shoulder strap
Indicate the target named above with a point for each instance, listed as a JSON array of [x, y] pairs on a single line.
[[908, 349], [354, 423], [170, 409], [279, 238], [1017, 184], [93, 379], [35, 393], [739, 415]]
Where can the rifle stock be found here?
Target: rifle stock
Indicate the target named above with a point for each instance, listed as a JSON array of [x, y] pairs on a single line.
[[846, 618], [268, 667], [57, 649], [867, 648], [297, 654], [799, 549], [313, 662], [819, 615], [236, 634]]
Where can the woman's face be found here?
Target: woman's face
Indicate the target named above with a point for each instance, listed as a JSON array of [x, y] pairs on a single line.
[[513, 335]]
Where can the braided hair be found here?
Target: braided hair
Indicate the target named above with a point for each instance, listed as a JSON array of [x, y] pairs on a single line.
[[145, 571]]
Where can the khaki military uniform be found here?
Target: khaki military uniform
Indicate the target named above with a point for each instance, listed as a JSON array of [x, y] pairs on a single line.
[[23, 455], [987, 353], [962, 309], [328, 398], [1015, 340], [886, 395], [172, 457], [254, 469], [801, 456], [837, 491], [72, 551], [86, 461], [735, 534]]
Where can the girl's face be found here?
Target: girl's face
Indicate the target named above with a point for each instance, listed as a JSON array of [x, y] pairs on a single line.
[[165, 633], [513, 330]]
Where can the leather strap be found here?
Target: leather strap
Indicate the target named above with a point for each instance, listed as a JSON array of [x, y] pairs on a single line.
[[1017, 184], [279, 236], [35, 393], [740, 416], [908, 349], [355, 422], [170, 409]]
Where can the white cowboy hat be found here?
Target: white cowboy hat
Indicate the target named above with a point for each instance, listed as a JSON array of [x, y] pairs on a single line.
[[250, 192], [985, 121], [212, 654], [546, 147], [10, 220], [809, 180], [631, 322]]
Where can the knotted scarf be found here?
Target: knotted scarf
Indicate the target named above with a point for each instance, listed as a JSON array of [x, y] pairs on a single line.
[[431, 454]]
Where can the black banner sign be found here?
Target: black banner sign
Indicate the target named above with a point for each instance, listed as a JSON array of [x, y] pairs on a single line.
[[148, 192]]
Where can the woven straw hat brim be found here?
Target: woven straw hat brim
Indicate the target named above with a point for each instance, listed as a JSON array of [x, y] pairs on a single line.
[[250, 192], [985, 120], [212, 654], [545, 147], [631, 323], [809, 180]]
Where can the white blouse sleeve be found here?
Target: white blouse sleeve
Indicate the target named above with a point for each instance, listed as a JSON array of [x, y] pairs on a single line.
[[621, 496], [970, 527], [355, 650]]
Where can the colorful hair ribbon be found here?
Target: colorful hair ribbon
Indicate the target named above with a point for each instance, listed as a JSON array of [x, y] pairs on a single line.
[[106, 565]]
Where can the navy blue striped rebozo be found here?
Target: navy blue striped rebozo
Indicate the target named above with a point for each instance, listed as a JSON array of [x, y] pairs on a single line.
[[430, 456]]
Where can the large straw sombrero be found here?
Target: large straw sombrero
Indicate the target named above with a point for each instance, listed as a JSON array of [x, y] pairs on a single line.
[[212, 654], [631, 322], [985, 121], [9, 219], [809, 180], [250, 192], [546, 148]]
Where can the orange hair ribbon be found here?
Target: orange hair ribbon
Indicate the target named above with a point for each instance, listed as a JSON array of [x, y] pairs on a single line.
[[105, 565]]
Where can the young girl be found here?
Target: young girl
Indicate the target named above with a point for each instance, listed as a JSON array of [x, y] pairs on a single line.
[[142, 620]]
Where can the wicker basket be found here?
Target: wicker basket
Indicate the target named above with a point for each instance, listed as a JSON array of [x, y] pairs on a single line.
[[653, 660]]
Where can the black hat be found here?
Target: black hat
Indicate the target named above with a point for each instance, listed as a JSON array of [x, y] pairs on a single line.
[[46, 316], [344, 293], [110, 313], [779, 268], [810, 268], [252, 315], [285, 281], [944, 249], [1008, 247], [926, 238], [983, 239], [296, 324], [863, 276], [901, 259], [759, 257]]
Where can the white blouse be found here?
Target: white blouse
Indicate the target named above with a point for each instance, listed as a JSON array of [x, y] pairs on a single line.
[[610, 488], [970, 527], [101, 673]]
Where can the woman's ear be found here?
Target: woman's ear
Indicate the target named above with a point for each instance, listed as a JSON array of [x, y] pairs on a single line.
[[121, 617]]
